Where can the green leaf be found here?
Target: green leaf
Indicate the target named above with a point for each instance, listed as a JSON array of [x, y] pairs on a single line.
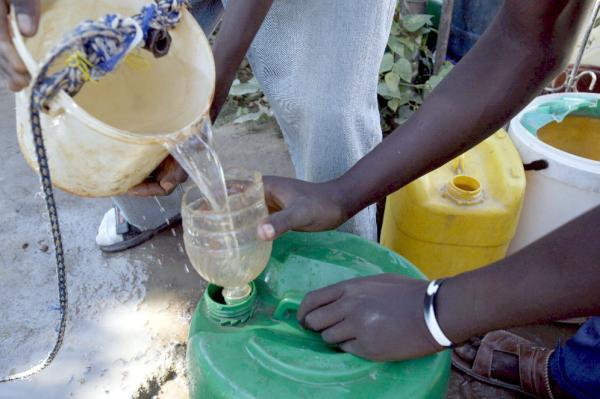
[[403, 95], [384, 91], [403, 114], [433, 82], [241, 89], [597, 23], [427, 54], [412, 44], [403, 69], [447, 66], [395, 45], [395, 30], [411, 47], [393, 104], [262, 113], [392, 80], [387, 63], [436, 79], [413, 23]]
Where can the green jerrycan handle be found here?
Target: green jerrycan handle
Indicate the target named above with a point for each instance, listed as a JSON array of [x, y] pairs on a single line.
[[285, 313], [302, 355], [286, 305]]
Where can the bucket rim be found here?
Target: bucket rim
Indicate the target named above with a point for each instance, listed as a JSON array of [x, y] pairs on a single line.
[[69, 105], [535, 144]]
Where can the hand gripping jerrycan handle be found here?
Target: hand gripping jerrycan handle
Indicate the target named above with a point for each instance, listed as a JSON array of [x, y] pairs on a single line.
[[329, 363], [286, 311]]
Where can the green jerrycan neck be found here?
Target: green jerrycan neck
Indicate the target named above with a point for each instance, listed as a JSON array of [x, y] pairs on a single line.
[[228, 314]]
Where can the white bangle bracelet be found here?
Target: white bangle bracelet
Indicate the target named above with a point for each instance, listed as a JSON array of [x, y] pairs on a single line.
[[430, 317]]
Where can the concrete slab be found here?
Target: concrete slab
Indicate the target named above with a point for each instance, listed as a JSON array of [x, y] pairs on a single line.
[[129, 313]]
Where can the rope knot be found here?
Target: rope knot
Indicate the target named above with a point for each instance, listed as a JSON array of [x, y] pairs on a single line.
[[98, 47], [78, 60]]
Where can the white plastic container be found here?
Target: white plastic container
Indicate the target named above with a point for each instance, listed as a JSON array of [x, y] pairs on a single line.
[[108, 137], [567, 188]]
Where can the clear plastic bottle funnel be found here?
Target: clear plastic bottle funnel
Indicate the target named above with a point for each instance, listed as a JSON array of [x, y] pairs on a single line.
[[223, 245]]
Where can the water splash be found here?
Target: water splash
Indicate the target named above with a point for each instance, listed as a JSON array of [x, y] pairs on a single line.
[[160, 205]]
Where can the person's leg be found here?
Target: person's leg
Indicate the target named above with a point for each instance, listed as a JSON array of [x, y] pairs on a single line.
[[207, 13], [318, 63], [574, 367], [133, 221], [147, 214]]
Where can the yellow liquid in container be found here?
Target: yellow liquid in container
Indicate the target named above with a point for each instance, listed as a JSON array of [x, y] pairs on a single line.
[[577, 135], [461, 216]]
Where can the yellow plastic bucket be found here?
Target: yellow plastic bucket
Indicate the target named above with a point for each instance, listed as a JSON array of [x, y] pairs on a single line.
[[108, 137], [461, 216]]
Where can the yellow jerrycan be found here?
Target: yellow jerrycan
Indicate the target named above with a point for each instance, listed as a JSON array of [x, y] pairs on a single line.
[[461, 216]]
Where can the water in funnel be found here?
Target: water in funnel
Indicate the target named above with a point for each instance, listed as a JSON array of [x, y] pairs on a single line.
[[223, 246], [220, 217]]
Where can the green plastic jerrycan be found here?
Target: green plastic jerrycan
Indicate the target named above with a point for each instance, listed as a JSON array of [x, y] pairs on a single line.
[[258, 350]]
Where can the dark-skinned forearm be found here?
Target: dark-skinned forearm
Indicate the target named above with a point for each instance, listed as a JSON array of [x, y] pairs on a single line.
[[525, 46], [241, 22], [556, 277]]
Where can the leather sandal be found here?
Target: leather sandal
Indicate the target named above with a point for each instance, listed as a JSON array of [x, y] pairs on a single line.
[[533, 364]]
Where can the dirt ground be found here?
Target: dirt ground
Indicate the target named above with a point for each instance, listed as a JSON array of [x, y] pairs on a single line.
[[129, 312]]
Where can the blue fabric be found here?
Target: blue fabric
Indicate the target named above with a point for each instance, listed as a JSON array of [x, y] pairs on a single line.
[[208, 13], [470, 18], [147, 14], [575, 366]]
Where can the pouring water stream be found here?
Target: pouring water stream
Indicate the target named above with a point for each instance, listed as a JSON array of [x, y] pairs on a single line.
[[199, 159]]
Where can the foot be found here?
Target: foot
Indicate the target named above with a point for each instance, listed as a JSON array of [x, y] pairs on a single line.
[[508, 361], [115, 234], [107, 232], [504, 367]]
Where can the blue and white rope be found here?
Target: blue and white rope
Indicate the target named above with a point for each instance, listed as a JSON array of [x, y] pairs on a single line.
[[101, 45]]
